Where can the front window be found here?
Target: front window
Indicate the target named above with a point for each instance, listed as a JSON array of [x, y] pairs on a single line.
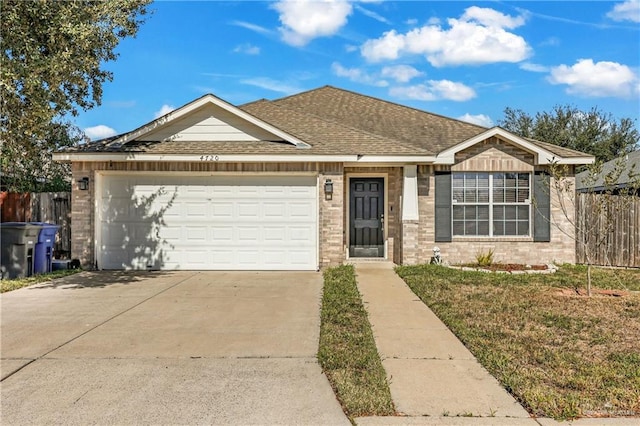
[[491, 204]]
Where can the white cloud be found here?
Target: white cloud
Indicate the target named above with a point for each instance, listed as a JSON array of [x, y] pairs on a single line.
[[99, 132], [491, 18], [271, 84], [350, 48], [304, 20], [411, 21], [600, 79], [479, 119], [373, 15], [401, 73], [357, 75], [164, 109], [529, 66], [247, 49], [626, 11], [478, 37], [435, 90], [252, 27]]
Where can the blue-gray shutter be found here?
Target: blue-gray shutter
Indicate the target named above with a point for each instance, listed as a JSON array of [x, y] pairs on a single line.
[[541, 207], [443, 207]]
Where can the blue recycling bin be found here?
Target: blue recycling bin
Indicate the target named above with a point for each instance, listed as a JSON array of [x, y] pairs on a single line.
[[18, 242], [43, 254]]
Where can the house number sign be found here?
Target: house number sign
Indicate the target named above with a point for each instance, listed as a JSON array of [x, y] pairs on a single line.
[[209, 158]]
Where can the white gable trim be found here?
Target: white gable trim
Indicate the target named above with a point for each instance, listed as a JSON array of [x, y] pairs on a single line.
[[542, 156], [198, 103]]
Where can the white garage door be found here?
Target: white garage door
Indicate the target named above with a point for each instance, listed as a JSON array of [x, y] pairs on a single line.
[[208, 222]]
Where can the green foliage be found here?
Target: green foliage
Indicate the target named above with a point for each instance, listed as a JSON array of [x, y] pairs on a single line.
[[50, 68], [10, 285], [484, 259], [593, 131]]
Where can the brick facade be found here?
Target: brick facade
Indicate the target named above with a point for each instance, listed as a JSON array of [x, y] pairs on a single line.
[[408, 242]]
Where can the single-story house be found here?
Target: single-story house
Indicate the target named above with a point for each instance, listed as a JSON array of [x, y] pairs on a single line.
[[620, 174], [310, 180]]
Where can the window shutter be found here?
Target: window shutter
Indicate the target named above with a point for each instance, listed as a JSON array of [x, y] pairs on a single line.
[[443, 207], [542, 208]]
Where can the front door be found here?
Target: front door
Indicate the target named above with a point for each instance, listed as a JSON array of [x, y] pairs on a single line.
[[366, 217]]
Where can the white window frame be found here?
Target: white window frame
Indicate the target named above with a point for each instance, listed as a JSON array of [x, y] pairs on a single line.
[[491, 204]]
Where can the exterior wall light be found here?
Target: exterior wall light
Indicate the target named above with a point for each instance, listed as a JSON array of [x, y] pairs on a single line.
[[83, 184], [328, 189]]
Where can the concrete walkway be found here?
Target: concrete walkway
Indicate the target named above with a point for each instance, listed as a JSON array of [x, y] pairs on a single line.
[[431, 373], [434, 379]]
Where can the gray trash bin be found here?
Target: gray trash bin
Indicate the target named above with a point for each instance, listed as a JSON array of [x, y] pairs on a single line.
[[17, 244]]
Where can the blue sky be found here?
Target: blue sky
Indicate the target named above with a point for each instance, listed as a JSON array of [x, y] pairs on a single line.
[[461, 59]]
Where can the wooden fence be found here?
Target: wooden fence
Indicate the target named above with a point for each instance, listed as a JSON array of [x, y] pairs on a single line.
[[608, 232], [50, 207]]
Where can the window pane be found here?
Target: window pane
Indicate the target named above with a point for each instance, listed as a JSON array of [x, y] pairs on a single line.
[[523, 180], [458, 195], [458, 227], [523, 228], [509, 228], [483, 213], [483, 180], [523, 195], [498, 228], [498, 212], [458, 212], [458, 180], [509, 195], [523, 213], [498, 179], [498, 195], [510, 212], [470, 212], [483, 195], [470, 228], [470, 196], [483, 227]]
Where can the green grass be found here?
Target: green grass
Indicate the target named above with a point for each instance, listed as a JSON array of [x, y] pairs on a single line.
[[348, 353], [561, 355], [9, 285]]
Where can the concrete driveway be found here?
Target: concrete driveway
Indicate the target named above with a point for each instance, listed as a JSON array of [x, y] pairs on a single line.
[[166, 348]]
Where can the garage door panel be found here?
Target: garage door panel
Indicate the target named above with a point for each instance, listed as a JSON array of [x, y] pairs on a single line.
[[209, 222]]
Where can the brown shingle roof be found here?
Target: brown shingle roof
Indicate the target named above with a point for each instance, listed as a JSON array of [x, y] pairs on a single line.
[[421, 129], [332, 121]]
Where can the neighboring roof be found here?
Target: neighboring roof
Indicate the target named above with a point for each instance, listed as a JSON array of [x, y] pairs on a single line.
[[323, 122], [630, 172]]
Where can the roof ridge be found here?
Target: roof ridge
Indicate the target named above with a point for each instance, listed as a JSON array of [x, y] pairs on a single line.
[[385, 101], [403, 144]]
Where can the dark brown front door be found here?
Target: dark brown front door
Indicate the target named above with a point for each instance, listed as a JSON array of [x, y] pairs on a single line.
[[366, 217]]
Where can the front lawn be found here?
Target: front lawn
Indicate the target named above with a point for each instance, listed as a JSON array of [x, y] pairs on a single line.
[[348, 353], [9, 285], [560, 354]]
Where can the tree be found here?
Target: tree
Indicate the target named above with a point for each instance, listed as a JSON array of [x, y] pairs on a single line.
[[593, 132], [50, 68], [593, 213]]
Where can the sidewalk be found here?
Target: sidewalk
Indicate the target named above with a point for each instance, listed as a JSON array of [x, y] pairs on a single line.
[[434, 379], [431, 373]]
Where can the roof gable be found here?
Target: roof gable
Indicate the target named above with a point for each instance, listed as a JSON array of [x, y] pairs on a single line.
[[208, 118], [541, 154]]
